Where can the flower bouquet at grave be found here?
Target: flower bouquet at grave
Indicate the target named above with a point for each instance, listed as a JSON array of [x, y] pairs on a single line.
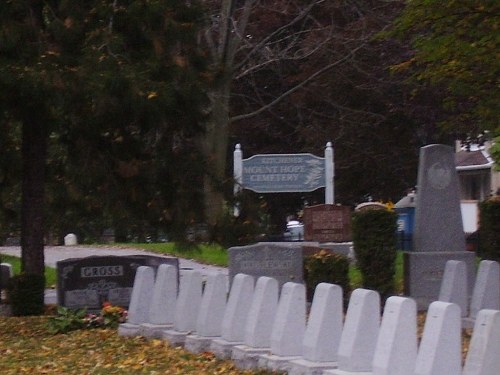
[[68, 320]]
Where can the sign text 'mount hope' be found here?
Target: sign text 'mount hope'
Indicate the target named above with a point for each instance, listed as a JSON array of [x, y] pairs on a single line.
[[283, 173]]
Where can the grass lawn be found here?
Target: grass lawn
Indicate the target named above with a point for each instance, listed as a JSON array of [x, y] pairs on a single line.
[[216, 255], [204, 253], [50, 273]]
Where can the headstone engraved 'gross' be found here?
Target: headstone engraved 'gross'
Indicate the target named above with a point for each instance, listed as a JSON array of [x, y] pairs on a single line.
[[88, 282], [327, 223], [279, 261], [438, 233]]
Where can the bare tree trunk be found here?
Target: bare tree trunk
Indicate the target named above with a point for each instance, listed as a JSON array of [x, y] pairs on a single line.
[[215, 151], [34, 154]]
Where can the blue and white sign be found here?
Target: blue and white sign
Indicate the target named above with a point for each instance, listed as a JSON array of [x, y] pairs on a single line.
[[285, 173], [282, 173]]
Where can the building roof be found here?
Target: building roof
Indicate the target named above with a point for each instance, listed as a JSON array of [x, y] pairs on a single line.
[[468, 160]]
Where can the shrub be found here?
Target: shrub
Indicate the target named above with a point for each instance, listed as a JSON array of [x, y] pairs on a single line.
[[68, 320], [26, 294], [326, 267], [489, 229], [374, 239]]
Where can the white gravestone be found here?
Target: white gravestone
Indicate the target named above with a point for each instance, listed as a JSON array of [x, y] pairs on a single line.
[[396, 349], [455, 285], [70, 240], [483, 357], [209, 321], [359, 336], [323, 331], [235, 316], [140, 302], [259, 325], [186, 308], [440, 350], [162, 310], [288, 330], [486, 294]]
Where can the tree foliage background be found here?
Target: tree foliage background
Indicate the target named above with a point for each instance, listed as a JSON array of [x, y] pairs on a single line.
[[141, 103]]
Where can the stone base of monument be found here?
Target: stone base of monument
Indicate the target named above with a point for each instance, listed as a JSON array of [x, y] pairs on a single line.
[[174, 338], [423, 274], [304, 367], [222, 349], [129, 329], [154, 331], [342, 372], [197, 344], [276, 362], [246, 357]]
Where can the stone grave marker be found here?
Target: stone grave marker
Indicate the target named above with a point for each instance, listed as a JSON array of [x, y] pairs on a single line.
[[282, 262], [438, 233], [6, 272], [440, 350], [140, 302], [88, 282], [327, 223], [483, 356], [455, 285]]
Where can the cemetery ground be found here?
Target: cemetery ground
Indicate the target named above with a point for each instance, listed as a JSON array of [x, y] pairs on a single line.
[[27, 346]]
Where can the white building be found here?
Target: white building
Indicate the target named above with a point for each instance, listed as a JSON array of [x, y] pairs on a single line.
[[478, 180]]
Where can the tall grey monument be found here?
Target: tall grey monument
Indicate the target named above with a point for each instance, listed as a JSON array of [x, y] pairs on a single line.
[[438, 235]]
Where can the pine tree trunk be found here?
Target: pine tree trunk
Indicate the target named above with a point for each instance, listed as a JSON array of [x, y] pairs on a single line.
[[34, 154]]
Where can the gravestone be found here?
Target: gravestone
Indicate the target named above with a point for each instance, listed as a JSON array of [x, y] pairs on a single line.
[[440, 350], [282, 262], [438, 232], [455, 285], [396, 348], [482, 357], [6, 272], [359, 336], [88, 282], [235, 316], [70, 240], [261, 316], [327, 223], [140, 302], [322, 336], [486, 293]]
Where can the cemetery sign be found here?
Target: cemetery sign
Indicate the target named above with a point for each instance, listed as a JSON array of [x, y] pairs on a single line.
[[285, 173]]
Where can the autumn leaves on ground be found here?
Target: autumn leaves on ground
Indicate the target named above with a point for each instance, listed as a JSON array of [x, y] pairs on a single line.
[[26, 347]]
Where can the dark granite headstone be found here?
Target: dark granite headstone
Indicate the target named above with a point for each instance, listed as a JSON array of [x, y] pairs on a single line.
[[327, 223], [438, 234], [283, 262], [88, 282]]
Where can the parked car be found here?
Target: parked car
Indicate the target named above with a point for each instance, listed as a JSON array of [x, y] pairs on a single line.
[[294, 231]]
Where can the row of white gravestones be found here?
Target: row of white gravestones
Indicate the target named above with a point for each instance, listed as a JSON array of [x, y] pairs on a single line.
[[486, 291], [272, 331]]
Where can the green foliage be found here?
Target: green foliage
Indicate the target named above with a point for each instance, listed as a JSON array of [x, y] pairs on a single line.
[[68, 320], [326, 267], [489, 230], [251, 224], [374, 239], [453, 43], [26, 294]]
